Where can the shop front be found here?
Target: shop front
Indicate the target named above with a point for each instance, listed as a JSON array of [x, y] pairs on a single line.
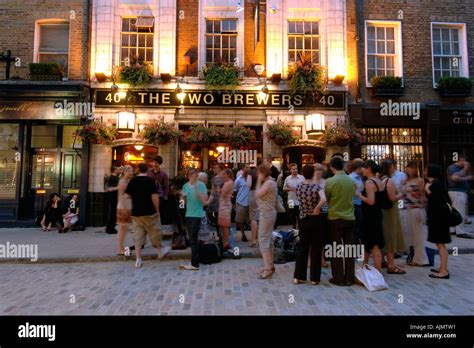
[[401, 136], [455, 137], [39, 151]]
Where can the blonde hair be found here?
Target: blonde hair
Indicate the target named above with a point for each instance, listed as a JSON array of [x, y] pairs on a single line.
[[202, 176], [318, 166]]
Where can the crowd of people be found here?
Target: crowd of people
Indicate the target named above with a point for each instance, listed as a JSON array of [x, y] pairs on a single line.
[[388, 211]]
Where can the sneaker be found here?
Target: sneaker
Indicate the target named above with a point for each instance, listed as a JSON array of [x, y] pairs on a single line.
[[138, 263], [163, 252], [127, 251], [191, 268]]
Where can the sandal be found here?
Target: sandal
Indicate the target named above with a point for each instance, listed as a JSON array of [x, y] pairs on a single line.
[[267, 274], [414, 264], [436, 276], [273, 270], [395, 270]]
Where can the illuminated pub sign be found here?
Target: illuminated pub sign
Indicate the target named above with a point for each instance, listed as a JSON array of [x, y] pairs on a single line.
[[222, 99]]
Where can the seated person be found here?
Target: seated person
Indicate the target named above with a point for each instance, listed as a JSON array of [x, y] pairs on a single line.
[[71, 216]]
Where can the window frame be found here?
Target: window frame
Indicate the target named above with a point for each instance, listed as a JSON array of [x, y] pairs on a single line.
[[37, 43], [463, 48], [398, 61], [137, 47], [221, 34], [303, 36]]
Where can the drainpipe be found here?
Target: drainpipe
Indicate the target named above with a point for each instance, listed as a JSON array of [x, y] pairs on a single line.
[[360, 45]]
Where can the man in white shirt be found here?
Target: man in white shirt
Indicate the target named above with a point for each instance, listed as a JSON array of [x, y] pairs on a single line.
[[399, 178], [291, 183]]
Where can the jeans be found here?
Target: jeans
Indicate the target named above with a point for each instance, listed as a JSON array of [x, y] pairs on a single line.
[[112, 217], [359, 233], [193, 225]]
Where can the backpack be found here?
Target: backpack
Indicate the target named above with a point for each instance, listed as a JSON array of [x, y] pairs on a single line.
[[384, 199], [285, 246], [209, 253]]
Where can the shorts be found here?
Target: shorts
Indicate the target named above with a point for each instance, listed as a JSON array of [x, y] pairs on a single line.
[[241, 213], [143, 225]]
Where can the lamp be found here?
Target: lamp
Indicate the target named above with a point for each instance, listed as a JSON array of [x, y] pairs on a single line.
[[315, 124], [338, 79], [220, 149], [259, 69], [264, 91], [138, 147], [180, 94], [240, 8], [126, 121]]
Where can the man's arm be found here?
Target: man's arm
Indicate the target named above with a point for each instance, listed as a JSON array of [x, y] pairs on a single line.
[[156, 202]]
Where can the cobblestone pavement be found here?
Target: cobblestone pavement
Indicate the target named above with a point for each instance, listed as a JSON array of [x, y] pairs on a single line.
[[227, 288]]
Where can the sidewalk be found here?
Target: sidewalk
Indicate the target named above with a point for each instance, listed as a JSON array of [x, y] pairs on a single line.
[[94, 245]]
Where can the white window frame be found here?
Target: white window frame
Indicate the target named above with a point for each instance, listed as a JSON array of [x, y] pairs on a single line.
[[398, 64], [463, 49], [152, 34], [303, 35], [36, 50], [221, 34]]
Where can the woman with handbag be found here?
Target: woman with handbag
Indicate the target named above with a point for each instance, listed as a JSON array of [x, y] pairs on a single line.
[[266, 194], [392, 228], [438, 213]]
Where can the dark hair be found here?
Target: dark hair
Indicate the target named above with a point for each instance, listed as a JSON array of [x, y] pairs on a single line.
[[142, 167], [355, 164], [337, 154], [51, 197], [158, 159], [264, 170], [220, 165], [293, 165], [337, 163], [308, 171], [253, 173], [386, 166], [374, 167], [434, 171]]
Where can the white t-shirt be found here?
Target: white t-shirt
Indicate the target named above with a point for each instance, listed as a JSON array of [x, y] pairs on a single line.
[[293, 182]]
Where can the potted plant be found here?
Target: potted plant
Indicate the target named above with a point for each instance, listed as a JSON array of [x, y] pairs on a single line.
[[45, 71], [281, 134], [138, 74], [305, 77], [97, 133], [387, 86], [454, 87], [234, 136], [160, 133], [342, 134], [221, 76], [240, 136]]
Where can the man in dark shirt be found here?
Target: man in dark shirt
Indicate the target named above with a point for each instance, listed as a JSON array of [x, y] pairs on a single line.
[[274, 172], [161, 180], [145, 213], [112, 198]]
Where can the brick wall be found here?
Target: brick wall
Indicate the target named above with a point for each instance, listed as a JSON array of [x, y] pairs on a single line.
[[416, 40], [187, 31], [18, 20]]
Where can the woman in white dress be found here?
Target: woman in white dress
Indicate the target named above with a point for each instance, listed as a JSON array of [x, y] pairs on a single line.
[[124, 209]]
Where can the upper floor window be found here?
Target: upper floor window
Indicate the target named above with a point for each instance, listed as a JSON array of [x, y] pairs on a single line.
[[53, 45], [449, 52], [221, 40], [383, 49], [137, 40], [303, 36]]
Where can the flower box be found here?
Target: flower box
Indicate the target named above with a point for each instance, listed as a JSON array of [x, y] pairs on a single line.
[[454, 87], [388, 92]]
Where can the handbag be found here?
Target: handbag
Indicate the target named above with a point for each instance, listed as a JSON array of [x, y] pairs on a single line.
[[279, 205], [454, 217], [371, 278], [179, 241]]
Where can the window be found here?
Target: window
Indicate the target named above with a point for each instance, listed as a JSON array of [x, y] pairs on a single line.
[[221, 41], [383, 48], [44, 137], [449, 57], [9, 165], [402, 144], [303, 36], [137, 40], [53, 44]]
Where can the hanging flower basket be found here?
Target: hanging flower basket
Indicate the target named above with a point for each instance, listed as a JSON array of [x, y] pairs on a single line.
[[138, 74], [281, 134], [342, 134], [160, 133], [305, 77], [234, 136], [97, 133]]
